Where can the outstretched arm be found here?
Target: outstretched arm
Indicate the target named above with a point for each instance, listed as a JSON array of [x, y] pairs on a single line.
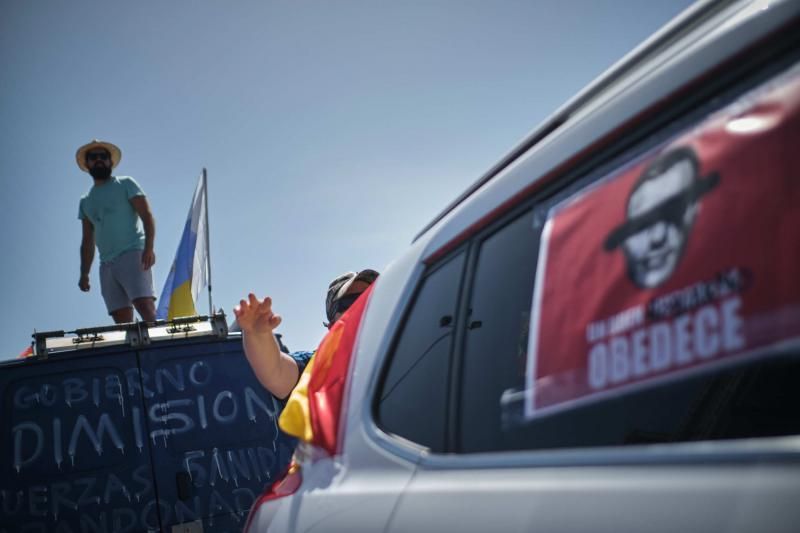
[[276, 371], [142, 209], [87, 254]]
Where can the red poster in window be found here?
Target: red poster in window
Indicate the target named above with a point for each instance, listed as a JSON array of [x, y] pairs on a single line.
[[684, 260]]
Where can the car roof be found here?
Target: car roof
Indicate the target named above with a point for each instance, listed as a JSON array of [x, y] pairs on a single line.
[[649, 77]]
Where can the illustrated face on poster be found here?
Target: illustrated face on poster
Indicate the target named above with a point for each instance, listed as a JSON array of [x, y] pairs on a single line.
[[660, 214]]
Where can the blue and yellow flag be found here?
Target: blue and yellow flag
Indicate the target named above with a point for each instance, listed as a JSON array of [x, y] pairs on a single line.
[[189, 272]]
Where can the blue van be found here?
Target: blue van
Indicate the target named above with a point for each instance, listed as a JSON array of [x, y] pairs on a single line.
[[134, 428]]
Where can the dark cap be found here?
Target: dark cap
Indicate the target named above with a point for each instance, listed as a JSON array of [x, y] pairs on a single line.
[[339, 287]]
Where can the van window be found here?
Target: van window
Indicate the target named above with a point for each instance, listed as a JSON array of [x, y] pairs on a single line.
[[413, 396]]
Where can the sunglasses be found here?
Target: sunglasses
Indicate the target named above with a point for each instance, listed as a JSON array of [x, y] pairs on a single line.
[[102, 156]]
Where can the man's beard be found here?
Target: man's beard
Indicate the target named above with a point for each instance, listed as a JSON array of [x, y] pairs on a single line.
[[100, 172]]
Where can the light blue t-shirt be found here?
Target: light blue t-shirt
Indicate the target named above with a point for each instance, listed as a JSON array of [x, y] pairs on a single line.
[[116, 224]]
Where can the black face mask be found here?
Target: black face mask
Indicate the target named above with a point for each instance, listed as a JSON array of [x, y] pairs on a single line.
[[100, 172], [345, 302]]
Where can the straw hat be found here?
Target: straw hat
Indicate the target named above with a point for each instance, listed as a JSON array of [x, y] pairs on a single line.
[[80, 155]]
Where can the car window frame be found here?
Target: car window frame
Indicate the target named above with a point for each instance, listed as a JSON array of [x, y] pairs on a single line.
[[386, 362]]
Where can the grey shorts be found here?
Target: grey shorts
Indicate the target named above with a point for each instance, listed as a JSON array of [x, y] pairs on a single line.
[[122, 280]]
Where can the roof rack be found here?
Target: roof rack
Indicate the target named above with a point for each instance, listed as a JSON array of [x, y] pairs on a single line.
[[133, 334]]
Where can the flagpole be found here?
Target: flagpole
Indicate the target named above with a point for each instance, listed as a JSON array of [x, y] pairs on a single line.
[[208, 247]]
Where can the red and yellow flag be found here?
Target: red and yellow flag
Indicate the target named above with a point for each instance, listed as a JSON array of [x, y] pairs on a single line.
[[314, 408]]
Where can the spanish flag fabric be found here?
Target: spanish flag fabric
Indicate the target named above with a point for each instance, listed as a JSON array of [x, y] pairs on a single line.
[[314, 408], [27, 352], [189, 272]]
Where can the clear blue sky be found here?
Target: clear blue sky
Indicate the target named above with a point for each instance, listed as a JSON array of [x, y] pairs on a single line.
[[332, 131]]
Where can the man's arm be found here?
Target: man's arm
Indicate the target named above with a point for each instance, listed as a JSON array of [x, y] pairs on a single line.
[[276, 371], [87, 254], [142, 208]]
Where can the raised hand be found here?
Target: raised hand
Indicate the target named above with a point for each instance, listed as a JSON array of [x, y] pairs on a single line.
[[256, 316]]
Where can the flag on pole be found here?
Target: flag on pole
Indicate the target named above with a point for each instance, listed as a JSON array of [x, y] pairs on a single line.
[[189, 272]]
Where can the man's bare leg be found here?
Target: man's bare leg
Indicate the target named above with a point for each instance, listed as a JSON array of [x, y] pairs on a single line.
[[146, 308], [123, 315]]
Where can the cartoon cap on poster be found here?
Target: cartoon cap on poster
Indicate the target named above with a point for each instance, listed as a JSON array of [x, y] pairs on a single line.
[[660, 213]]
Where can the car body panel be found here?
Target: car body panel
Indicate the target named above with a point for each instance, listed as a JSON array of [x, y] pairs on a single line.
[[603, 499]]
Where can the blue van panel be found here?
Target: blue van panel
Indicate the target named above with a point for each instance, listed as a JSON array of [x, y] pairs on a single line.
[[213, 427], [120, 439], [73, 449]]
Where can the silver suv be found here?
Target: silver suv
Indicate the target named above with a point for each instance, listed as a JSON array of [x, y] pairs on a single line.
[[602, 334]]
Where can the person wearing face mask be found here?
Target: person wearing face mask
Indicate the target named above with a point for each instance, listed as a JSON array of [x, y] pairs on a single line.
[[110, 212], [279, 371]]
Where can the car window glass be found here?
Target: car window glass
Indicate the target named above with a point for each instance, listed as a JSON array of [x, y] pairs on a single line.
[[659, 302], [757, 398], [412, 398], [497, 328]]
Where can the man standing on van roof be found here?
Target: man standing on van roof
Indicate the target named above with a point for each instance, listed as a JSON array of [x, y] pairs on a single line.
[[276, 370], [110, 214]]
